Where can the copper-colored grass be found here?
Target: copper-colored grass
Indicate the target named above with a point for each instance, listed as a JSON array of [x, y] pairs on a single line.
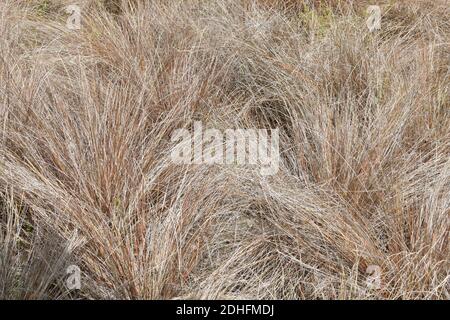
[[85, 170]]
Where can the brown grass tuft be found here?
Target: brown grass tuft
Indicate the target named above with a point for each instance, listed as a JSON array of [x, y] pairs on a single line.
[[86, 176]]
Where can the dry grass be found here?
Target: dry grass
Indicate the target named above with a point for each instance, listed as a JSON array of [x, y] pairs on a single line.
[[85, 173]]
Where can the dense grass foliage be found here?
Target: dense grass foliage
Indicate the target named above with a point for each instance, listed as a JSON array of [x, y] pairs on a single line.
[[86, 176]]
